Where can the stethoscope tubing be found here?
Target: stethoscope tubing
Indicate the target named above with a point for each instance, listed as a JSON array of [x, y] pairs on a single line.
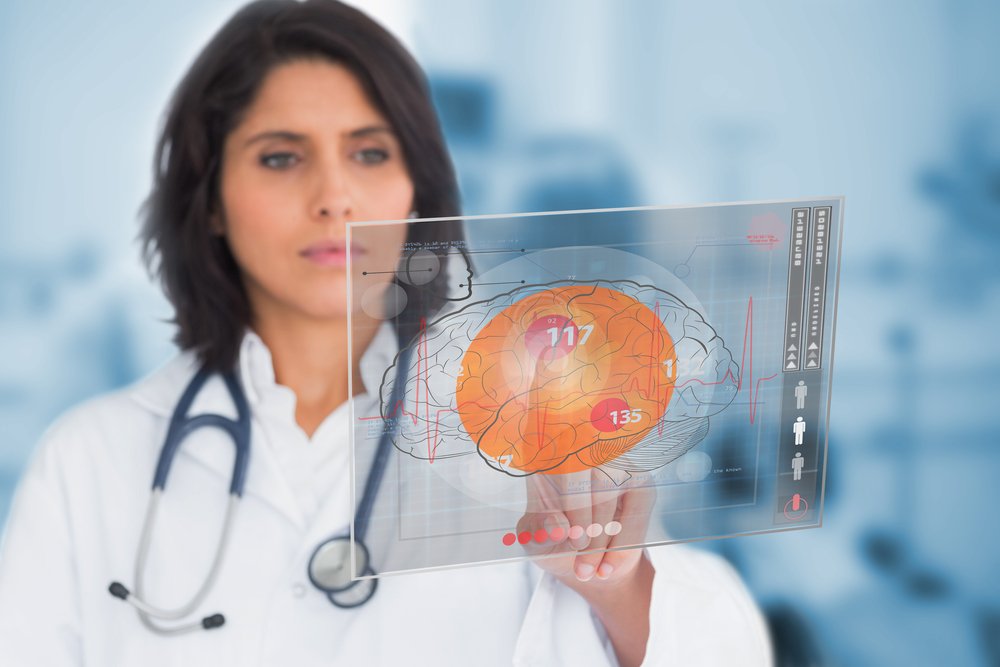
[[239, 431], [180, 427]]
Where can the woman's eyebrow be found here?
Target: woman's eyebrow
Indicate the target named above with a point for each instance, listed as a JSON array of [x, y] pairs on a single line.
[[370, 129], [275, 134], [288, 135]]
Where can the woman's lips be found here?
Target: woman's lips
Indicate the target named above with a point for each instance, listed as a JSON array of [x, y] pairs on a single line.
[[330, 253]]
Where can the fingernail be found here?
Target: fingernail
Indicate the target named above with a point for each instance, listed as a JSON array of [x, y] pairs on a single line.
[[584, 572], [605, 571]]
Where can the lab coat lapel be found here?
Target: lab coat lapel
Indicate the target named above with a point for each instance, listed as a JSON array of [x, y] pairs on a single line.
[[265, 480], [337, 508], [159, 394], [335, 514]]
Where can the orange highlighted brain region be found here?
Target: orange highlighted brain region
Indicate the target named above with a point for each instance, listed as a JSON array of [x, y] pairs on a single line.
[[566, 379], [560, 377]]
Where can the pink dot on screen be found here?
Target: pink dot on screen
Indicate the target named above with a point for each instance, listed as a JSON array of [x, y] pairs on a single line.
[[557, 533], [509, 539], [594, 529], [541, 535], [575, 532], [524, 537], [538, 337]]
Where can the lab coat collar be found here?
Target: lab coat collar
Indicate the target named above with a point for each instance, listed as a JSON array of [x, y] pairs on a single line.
[[160, 391], [257, 367], [268, 400]]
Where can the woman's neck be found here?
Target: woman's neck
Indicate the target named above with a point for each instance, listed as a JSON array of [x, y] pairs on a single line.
[[310, 358]]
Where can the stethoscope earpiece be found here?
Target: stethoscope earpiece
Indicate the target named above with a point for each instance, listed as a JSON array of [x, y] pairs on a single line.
[[208, 623]]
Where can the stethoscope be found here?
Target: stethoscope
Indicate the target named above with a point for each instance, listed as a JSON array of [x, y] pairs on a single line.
[[329, 569]]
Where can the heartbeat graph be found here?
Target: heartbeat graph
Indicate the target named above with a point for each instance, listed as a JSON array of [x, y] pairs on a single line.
[[422, 406], [747, 350], [423, 371]]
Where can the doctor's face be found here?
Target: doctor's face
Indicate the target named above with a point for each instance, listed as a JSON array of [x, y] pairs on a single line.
[[310, 154]]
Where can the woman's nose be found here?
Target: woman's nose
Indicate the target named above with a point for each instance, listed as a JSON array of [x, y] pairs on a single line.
[[332, 198]]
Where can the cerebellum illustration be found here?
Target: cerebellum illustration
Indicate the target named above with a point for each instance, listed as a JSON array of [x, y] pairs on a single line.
[[563, 377]]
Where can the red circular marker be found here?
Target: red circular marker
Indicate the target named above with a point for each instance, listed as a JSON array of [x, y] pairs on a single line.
[[524, 537], [557, 534], [541, 535], [509, 539], [551, 337], [609, 415]]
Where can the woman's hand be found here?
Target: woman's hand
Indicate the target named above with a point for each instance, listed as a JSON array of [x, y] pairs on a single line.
[[573, 518], [617, 584]]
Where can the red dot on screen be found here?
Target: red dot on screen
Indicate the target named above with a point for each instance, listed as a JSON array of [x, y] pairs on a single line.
[[509, 539], [557, 533], [541, 535], [608, 415], [524, 537]]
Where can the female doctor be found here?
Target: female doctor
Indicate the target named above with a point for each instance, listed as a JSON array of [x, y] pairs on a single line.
[[295, 119]]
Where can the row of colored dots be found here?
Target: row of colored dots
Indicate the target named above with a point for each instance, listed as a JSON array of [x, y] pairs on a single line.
[[541, 535]]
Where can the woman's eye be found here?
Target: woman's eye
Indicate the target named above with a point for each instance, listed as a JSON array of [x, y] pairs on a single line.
[[279, 160], [372, 156]]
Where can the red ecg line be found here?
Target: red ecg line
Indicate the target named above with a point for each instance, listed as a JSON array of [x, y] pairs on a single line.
[[747, 347], [422, 373]]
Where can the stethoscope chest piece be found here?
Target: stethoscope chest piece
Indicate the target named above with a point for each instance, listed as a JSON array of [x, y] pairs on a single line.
[[330, 571]]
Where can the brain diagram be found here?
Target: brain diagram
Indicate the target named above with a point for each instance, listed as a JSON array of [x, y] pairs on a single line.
[[564, 377]]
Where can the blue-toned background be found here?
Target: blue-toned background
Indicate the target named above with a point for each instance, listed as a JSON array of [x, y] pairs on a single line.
[[585, 103]]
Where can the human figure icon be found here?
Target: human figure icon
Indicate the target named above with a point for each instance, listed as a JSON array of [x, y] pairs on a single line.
[[798, 428], [797, 464], [800, 395]]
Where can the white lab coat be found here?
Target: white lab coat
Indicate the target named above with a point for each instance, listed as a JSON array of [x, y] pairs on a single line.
[[78, 512]]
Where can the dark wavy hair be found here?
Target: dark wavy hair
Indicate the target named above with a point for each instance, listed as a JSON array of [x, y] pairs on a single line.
[[195, 267]]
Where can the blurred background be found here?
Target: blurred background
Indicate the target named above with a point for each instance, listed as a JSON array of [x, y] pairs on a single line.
[[591, 103]]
